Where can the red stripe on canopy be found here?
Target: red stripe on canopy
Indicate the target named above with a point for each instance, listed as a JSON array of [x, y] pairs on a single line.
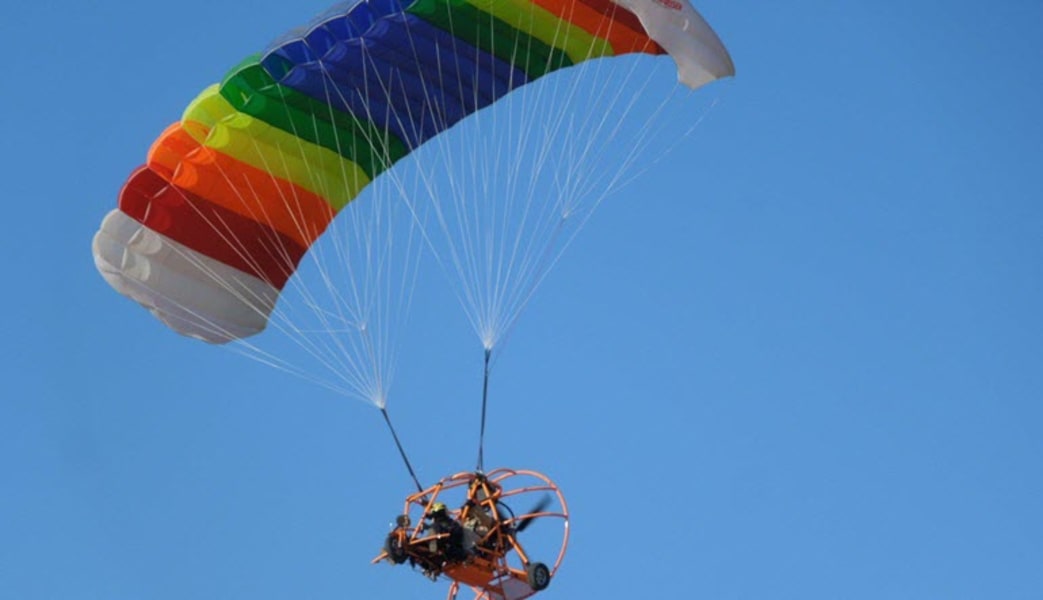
[[210, 229]]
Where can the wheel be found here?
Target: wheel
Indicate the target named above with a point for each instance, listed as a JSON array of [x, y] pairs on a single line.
[[393, 546], [538, 575]]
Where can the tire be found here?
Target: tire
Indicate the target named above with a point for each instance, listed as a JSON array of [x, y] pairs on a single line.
[[393, 546], [538, 576]]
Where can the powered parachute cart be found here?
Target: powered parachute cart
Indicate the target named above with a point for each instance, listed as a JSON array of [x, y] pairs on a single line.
[[469, 528]]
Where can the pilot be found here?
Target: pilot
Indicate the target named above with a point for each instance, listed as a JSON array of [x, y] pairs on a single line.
[[443, 523]]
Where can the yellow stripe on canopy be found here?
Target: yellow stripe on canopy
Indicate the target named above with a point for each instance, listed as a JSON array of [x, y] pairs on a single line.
[[213, 122], [576, 43]]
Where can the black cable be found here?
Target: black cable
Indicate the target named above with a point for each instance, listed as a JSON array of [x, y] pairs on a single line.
[[401, 451], [485, 398]]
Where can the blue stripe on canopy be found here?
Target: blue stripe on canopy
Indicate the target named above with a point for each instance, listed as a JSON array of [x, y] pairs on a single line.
[[402, 73]]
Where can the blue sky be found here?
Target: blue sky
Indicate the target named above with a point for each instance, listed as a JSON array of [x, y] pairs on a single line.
[[801, 358]]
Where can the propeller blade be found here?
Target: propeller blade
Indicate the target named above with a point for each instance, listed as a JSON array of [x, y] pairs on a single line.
[[540, 507]]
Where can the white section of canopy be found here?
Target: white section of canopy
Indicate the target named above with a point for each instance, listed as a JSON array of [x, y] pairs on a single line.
[[193, 294], [686, 37]]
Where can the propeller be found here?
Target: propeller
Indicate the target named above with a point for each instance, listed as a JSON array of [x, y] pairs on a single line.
[[540, 507]]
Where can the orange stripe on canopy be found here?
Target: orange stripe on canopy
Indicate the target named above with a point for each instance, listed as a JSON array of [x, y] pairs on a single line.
[[239, 187], [604, 20]]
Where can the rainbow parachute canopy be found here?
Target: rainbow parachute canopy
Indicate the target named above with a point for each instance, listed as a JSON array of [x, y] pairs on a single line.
[[211, 227]]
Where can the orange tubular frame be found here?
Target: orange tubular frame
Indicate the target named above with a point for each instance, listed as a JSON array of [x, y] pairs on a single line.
[[495, 568]]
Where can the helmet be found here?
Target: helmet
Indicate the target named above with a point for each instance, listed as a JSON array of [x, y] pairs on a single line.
[[437, 507]]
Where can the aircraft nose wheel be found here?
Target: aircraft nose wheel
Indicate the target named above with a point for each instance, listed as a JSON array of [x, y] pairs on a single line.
[[538, 575], [393, 546]]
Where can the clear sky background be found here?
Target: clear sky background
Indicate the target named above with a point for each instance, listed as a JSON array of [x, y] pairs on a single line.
[[802, 358]]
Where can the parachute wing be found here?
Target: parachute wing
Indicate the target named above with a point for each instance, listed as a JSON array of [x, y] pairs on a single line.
[[208, 232]]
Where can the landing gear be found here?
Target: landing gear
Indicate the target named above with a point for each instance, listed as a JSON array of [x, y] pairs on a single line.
[[395, 550], [538, 575]]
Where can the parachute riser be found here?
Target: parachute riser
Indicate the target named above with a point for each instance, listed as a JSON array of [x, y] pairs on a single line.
[[485, 400], [401, 450]]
